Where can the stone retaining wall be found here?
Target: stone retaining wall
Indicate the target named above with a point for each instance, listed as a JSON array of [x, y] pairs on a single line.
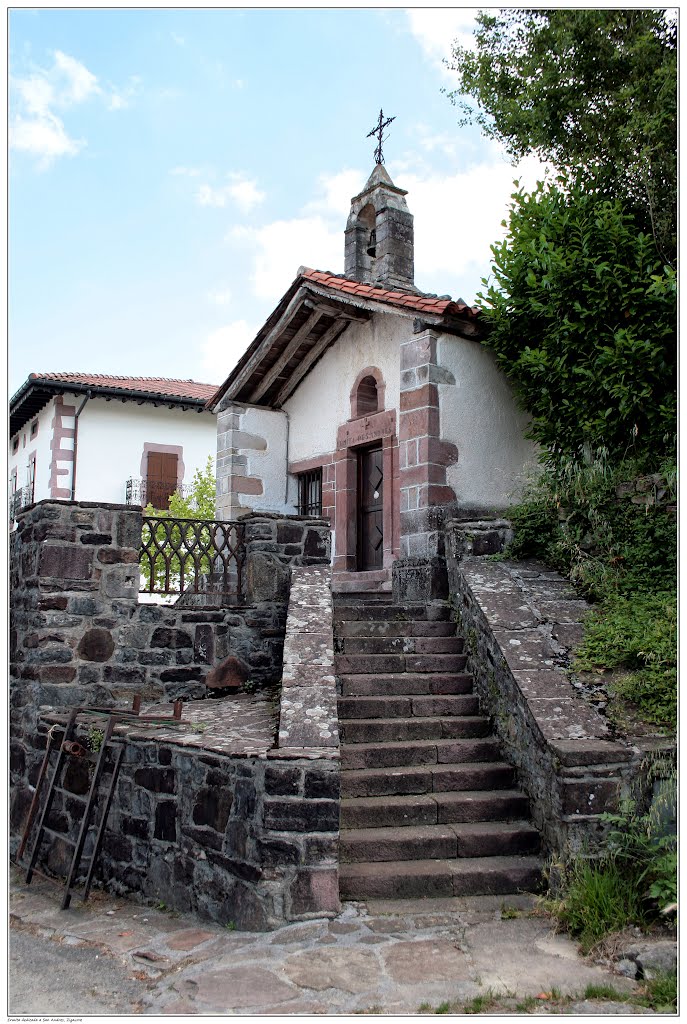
[[520, 621], [241, 839]]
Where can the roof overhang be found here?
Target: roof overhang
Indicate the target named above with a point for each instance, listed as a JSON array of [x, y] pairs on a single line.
[[309, 318], [37, 391]]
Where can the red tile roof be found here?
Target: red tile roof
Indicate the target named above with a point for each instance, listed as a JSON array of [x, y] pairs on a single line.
[[163, 386], [394, 297]]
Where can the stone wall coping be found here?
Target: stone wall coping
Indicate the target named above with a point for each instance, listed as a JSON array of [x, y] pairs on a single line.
[[65, 503], [308, 716], [282, 517]]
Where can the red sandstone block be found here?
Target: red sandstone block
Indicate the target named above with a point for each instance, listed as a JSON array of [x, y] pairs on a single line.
[[434, 449], [427, 473], [345, 472], [419, 423], [418, 398]]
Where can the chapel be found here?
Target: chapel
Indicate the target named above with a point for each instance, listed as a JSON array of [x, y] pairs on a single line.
[[370, 403]]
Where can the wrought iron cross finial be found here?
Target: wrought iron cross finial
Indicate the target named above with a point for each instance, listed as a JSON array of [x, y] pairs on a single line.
[[378, 130]]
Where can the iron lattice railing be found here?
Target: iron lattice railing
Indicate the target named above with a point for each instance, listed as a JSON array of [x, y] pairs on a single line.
[[198, 555]]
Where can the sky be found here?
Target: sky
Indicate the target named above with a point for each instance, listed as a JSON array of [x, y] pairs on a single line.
[[171, 169]]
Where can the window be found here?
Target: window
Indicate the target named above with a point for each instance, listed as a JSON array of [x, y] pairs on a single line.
[[15, 445], [34, 428], [367, 396], [310, 493]]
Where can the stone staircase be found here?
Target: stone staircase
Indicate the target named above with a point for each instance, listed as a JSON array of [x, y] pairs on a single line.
[[428, 807]]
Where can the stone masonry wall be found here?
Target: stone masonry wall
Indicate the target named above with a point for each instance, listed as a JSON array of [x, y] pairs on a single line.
[[79, 634], [520, 621], [250, 841], [230, 827]]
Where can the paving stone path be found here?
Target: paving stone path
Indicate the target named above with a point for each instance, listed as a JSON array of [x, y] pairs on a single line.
[[385, 956]]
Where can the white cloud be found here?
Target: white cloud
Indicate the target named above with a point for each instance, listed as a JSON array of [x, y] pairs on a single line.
[[224, 346], [44, 137], [437, 28], [284, 245], [458, 217], [240, 190], [335, 193], [77, 82], [36, 127], [120, 99]]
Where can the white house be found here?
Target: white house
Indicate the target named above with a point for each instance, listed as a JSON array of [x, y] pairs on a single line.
[[369, 402], [91, 437]]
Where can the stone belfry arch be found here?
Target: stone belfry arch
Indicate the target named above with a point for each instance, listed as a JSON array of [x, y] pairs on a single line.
[[379, 235]]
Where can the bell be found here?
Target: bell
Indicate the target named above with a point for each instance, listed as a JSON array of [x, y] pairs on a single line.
[[372, 244]]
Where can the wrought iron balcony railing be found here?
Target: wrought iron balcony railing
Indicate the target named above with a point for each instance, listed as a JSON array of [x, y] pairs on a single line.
[[154, 492], [20, 499]]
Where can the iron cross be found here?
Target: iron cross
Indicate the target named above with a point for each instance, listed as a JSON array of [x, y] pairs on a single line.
[[378, 130]]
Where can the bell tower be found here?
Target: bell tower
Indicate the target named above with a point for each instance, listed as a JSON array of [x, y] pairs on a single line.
[[379, 234]]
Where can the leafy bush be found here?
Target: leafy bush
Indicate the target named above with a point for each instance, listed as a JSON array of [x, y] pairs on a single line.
[[581, 315], [637, 632]]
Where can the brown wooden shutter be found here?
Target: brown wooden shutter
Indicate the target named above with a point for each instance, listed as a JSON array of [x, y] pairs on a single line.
[[162, 478]]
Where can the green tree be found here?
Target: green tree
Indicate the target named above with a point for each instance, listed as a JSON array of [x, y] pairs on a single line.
[[594, 92], [164, 540], [581, 314]]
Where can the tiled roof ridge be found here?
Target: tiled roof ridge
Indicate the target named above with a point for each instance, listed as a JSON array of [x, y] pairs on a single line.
[[68, 375], [396, 295]]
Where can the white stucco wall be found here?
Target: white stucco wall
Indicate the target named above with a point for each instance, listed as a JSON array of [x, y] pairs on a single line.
[[478, 414], [321, 402], [268, 463], [40, 444], [111, 436]]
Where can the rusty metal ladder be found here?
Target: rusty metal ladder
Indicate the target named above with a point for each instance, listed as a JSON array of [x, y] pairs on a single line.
[[71, 748]]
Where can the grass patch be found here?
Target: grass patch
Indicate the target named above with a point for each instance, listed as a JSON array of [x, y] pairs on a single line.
[[482, 1003], [661, 993], [598, 899], [605, 992], [509, 913]]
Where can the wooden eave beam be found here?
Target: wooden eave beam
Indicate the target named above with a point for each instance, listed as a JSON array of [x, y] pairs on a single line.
[[264, 347], [288, 353], [330, 335]]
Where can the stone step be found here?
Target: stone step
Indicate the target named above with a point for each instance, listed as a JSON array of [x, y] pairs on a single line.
[[477, 876], [370, 585], [358, 664], [434, 809], [399, 683], [410, 706], [389, 612], [415, 627], [386, 730], [434, 842], [434, 778], [418, 752], [399, 644]]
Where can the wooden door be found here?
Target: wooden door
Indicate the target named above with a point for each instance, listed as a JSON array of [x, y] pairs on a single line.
[[370, 509], [162, 478]]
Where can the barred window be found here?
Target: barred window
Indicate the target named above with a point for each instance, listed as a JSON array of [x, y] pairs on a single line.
[[310, 493]]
